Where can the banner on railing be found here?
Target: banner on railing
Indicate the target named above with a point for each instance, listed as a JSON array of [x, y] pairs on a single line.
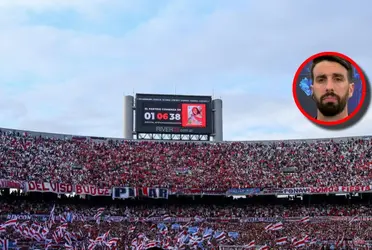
[[325, 190], [123, 193], [11, 184], [47, 187], [271, 191], [198, 191], [318, 190], [162, 193], [25, 217], [19, 217], [63, 188], [155, 193], [243, 191], [128, 192], [92, 190]]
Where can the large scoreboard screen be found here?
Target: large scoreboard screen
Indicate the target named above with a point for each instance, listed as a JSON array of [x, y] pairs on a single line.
[[173, 114]]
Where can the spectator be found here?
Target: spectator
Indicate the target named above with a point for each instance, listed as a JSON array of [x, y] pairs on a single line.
[[208, 165]]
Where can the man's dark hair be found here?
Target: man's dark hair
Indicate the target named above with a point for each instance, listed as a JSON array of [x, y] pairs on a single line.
[[344, 63]]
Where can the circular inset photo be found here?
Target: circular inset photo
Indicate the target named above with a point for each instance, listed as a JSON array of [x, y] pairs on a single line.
[[329, 88]]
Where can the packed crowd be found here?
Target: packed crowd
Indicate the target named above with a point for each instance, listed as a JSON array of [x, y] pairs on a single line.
[[138, 226], [186, 165]]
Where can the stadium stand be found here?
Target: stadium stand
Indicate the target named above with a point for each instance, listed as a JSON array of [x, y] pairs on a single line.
[[115, 181], [109, 163]]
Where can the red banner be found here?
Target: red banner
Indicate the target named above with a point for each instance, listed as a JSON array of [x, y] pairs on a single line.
[[63, 188]]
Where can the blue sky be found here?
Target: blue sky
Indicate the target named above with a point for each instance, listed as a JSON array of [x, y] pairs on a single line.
[[65, 65]]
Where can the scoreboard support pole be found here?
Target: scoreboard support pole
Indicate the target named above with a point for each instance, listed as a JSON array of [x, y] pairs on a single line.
[[128, 117], [129, 131], [217, 120]]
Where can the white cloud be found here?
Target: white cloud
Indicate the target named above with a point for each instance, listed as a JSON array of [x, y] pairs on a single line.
[[83, 76]]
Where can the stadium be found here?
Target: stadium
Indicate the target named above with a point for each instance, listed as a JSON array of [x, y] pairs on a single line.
[[81, 192], [185, 125]]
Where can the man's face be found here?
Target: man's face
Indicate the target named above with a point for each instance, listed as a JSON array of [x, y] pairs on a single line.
[[331, 88]]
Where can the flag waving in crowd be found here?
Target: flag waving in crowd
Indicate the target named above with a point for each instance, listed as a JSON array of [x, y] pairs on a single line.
[[98, 215], [164, 231]]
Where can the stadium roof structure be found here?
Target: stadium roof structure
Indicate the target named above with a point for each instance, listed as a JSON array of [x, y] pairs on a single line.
[[69, 136]]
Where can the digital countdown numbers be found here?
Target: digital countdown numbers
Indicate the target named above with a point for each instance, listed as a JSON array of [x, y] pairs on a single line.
[[173, 114], [165, 116]]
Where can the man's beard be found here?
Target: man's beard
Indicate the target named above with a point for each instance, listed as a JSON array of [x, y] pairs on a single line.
[[329, 109]]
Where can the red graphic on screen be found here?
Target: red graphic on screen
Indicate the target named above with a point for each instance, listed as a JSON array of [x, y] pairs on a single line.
[[193, 115]]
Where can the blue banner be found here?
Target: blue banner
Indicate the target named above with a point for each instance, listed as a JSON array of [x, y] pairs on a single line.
[[176, 226], [193, 230], [234, 235], [128, 192]]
